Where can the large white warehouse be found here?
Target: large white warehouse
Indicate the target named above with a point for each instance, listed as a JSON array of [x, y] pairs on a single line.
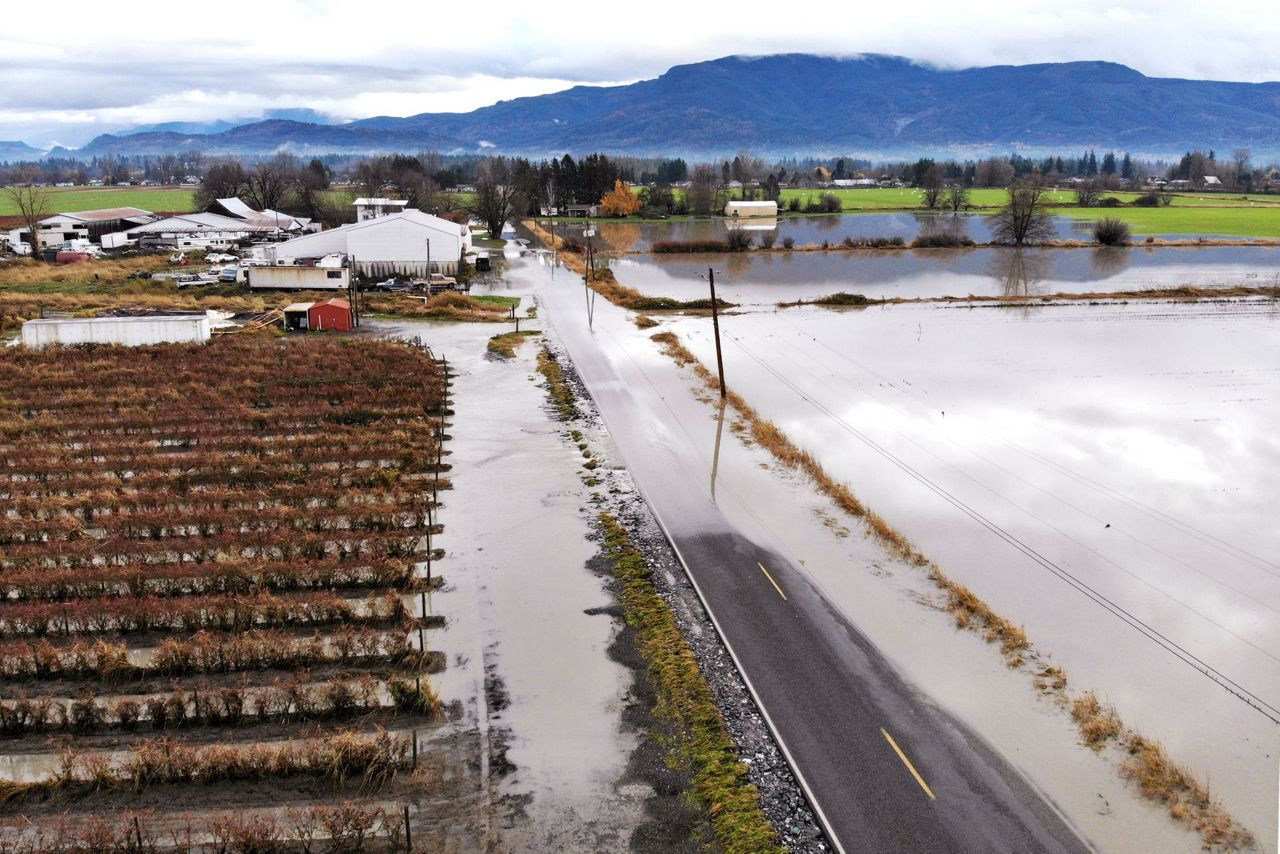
[[395, 244]]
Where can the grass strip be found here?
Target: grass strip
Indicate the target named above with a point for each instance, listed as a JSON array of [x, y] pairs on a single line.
[[1158, 778], [505, 345], [698, 741], [557, 386]]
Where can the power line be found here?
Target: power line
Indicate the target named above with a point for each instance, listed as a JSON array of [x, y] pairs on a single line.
[[1150, 632]]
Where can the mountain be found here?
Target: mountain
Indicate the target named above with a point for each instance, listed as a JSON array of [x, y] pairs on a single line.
[[804, 104], [294, 114], [17, 150]]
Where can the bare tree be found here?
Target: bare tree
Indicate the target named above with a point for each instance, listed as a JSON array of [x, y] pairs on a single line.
[[1025, 216], [1244, 167], [956, 197], [1088, 192], [932, 184], [701, 195], [32, 203], [221, 181], [495, 193], [272, 182]]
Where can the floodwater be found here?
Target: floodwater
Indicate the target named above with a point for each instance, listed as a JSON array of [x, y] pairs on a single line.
[[1103, 475], [815, 229], [767, 278], [527, 640], [1130, 447]]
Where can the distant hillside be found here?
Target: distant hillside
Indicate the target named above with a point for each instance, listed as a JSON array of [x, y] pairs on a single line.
[[17, 150], [802, 104], [300, 114]]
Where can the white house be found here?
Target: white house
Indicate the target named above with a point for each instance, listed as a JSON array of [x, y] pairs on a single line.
[[394, 244], [367, 209], [746, 209]]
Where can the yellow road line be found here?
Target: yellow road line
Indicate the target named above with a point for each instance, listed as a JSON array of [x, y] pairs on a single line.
[[771, 581], [907, 762]]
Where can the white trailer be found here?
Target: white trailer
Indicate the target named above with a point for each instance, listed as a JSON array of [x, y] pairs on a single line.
[[299, 278], [129, 331]]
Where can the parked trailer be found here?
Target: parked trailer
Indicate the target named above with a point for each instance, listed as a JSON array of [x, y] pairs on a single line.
[[299, 278], [129, 331]]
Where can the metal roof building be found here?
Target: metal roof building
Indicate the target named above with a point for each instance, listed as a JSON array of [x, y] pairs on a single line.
[[395, 244]]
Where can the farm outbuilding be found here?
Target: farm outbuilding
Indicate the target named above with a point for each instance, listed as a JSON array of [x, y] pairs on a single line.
[[399, 244], [89, 225], [129, 331], [333, 315], [746, 209]]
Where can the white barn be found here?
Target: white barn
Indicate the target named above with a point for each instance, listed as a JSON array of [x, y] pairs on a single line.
[[395, 244]]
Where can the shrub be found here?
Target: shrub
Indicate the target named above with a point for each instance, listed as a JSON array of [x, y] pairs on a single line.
[[739, 241], [941, 240], [1110, 231], [789, 242], [1152, 199], [842, 298], [767, 239], [873, 242]]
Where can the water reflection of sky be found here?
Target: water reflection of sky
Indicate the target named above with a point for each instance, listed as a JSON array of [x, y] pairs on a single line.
[[778, 276], [814, 230], [1134, 445]]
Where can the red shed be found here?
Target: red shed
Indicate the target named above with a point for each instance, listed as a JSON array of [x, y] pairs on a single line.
[[332, 314]]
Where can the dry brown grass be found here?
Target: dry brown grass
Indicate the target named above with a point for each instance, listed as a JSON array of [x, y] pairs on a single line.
[[29, 271], [644, 321], [1157, 777]]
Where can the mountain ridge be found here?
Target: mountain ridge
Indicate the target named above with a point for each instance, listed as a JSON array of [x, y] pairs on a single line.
[[797, 104]]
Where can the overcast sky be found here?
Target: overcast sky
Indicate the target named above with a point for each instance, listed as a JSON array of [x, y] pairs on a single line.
[[97, 67]]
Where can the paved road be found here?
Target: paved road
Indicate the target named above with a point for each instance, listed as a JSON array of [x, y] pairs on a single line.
[[886, 769]]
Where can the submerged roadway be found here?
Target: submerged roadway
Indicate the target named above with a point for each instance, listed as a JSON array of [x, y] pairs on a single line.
[[884, 767]]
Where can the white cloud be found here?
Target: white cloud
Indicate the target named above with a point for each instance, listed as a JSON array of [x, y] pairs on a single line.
[[397, 57]]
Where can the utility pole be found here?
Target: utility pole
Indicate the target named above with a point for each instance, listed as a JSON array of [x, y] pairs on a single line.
[[715, 323]]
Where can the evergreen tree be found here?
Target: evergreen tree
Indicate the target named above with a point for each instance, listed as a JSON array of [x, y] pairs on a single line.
[[1126, 167]]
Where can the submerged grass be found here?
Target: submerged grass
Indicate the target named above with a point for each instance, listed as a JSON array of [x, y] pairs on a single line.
[[1148, 765], [698, 740], [557, 386]]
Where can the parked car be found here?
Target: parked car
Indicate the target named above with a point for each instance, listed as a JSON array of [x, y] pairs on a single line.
[[229, 275], [189, 280]]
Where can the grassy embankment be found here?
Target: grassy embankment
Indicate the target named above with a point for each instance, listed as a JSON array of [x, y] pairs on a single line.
[[697, 740], [1146, 762], [841, 299]]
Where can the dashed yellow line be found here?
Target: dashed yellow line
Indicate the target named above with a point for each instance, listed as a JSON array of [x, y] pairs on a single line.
[[771, 581], [907, 762]]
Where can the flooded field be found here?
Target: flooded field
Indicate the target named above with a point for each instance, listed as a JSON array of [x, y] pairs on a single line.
[[1104, 475], [807, 230], [767, 278]]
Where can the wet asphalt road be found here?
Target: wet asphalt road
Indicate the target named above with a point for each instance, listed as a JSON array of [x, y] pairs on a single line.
[[886, 769]]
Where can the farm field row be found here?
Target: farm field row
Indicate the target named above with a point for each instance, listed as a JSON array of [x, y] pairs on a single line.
[[215, 568]]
